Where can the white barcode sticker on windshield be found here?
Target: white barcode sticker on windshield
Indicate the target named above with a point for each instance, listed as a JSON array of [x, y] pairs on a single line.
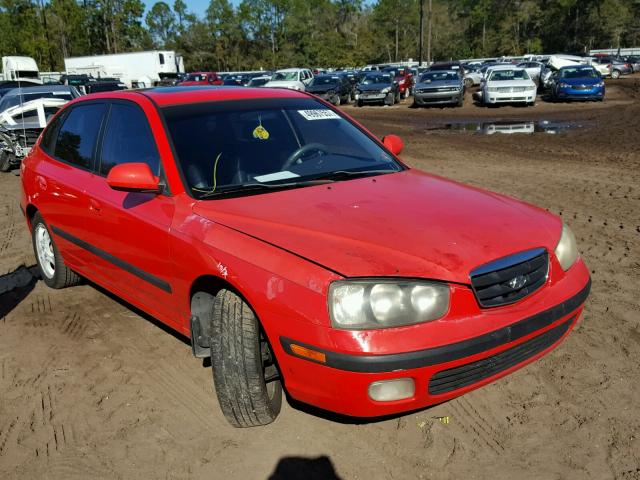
[[319, 114]]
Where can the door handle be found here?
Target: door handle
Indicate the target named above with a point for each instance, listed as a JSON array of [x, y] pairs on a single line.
[[94, 205]]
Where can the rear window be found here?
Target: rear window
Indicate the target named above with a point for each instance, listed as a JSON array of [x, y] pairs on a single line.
[[506, 75]]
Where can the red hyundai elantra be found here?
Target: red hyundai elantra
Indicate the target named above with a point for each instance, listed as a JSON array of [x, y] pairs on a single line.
[[296, 249]]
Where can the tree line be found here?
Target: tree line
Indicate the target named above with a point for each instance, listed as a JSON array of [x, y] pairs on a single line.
[[254, 34]]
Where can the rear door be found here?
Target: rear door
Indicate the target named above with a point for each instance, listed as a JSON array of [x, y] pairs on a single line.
[[70, 144], [133, 239]]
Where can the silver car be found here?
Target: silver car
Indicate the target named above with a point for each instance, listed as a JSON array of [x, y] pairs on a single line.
[[439, 87]]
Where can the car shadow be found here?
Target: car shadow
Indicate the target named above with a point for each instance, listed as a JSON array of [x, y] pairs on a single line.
[[301, 468], [15, 287]]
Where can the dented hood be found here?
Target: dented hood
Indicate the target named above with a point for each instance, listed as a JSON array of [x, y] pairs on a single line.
[[406, 224]]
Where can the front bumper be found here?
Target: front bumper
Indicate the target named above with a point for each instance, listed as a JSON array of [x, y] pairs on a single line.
[[439, 373], [510, 97], [595, 93], [435, 98], [371, 97]]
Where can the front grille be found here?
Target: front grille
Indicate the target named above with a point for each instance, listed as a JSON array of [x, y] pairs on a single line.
[[511, 278], [458, 377]]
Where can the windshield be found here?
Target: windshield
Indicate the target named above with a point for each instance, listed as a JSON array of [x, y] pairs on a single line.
[[257, 82], [285, 76], [13, 100], [506, 75], [438, 76], [268, 142], [578, 73], [373, 79], [324, 80]]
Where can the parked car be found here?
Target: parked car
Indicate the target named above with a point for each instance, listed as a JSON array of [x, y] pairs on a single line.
[[259, 81], [581, 82], [618, 66], [201, 78], [295, 249], [472, 76], [634, 62], [508, 84], [24, 112], [439, 87], [232, 81], [457, 66], [335, 89], [293, 78], [377, 87], [533, 69], [403, 77]]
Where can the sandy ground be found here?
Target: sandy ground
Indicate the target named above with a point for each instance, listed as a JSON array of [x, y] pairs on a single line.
[[90, 388]]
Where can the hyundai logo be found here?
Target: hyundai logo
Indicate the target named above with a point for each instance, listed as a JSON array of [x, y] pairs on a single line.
[[518, 282]]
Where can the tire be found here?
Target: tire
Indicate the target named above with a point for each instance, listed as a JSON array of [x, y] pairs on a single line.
[[389, 99], [359, 103], [5, 161], [405, 95], [460, 101], [615, 74], [238, 346], [468, 83], [336, 101], [53, 270]]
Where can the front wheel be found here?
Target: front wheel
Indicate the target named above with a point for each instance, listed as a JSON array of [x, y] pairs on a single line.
[[245, 374], [53, 270], [615, 74]]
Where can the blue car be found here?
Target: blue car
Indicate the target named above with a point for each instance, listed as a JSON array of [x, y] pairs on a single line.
[[580, 82]]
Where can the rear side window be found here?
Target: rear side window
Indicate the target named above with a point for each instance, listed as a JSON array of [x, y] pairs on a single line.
[[78, 133], [128, 139], [49, 136]]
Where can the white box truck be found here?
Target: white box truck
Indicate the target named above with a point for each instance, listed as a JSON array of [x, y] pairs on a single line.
[[20, 68], [136, 69]]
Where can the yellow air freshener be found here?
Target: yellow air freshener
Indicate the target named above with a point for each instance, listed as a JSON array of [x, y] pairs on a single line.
[[260, 132]]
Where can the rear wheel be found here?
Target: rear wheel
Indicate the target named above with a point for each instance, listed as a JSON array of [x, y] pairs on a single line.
[[615, 74], [245, 374], [53, 270]]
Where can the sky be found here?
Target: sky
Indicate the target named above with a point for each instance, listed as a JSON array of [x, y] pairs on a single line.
[[194, 6]]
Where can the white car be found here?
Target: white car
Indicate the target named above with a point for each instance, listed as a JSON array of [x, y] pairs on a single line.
[[293, 78], [532, 68], [508, 84]]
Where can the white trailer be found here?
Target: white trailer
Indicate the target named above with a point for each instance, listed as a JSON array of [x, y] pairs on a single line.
[[20, 68], [136, 70]]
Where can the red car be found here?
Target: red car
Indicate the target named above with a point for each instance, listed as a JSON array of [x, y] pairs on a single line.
[[403, 77], [201, 78], [296, 249]]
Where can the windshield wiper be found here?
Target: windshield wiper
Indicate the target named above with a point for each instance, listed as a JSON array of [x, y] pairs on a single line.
[[260, 187], [348, 174]]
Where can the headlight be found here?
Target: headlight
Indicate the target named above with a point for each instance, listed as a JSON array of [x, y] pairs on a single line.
[[564, 85], [567, 249], [386, 90], [600, 84], [371, 304]]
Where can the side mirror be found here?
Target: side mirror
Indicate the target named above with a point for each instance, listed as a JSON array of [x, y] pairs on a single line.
[[393, 143], [133, 177]]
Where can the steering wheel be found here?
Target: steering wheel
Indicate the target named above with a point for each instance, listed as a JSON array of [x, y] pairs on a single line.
[[299, 154]]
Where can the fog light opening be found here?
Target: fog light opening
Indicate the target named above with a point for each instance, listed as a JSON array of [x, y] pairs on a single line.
[[391, 390]]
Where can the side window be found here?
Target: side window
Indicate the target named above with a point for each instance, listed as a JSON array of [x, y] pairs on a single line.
[[77, 136], [50, 134], [161, 58], [128, 139]]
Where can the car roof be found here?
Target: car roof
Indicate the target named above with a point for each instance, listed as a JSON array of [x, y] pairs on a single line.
[[166, 96], [291, 69], [506, 67], [38, 89]]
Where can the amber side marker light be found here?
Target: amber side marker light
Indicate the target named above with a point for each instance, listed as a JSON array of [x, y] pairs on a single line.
[[308, 353]]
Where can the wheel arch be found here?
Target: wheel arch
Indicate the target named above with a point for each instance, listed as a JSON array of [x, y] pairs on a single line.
[[30, 212]]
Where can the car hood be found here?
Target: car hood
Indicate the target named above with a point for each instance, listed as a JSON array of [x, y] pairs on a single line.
[[405, 224], [322, 88], [439, 83], [511, 83], [283, 83], [373, 87]]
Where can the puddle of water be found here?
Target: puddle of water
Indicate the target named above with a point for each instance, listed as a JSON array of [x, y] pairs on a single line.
[[15, 286], [508, 127]]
